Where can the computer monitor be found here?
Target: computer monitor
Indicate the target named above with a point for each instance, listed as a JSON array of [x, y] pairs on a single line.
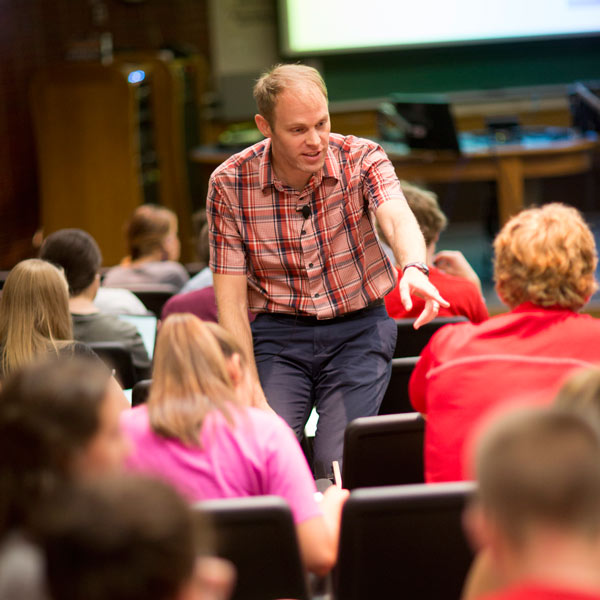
[[421, 121], [146, 326], [584, 102]]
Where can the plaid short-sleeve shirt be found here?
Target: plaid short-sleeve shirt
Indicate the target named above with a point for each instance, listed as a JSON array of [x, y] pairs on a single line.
[[324, 263]]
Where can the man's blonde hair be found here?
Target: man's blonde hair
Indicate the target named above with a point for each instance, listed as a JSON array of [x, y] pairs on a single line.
[[546, 256], [190, 377], [34, 313], [540, 467], [427, 211], [279, 78]]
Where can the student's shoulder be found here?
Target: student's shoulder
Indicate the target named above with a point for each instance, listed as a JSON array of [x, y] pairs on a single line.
[[135, 420], [268, 422], [454, 335]]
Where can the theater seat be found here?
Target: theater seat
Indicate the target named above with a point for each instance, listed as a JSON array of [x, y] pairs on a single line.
[[154, 295], [411, 341], [140, 391], [396, 399], [404, 542], [257, 534], [383, 450], [116, 356]]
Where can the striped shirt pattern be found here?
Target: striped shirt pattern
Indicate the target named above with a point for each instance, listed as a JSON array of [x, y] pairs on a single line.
[[325, 265]]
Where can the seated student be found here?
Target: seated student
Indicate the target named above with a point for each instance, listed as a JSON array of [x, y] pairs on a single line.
[[77, 253], [537, 511], [35, 320], [545, 259], [580, 395], [449, 271], [153, 251], [200, 431], [34, 316], [129, 538], [59, 421]]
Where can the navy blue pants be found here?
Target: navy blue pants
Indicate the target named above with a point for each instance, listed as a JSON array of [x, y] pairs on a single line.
[[341, 366]]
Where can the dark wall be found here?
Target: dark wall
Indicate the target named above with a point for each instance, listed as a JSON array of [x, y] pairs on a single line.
[[34, 33], [453, 68]]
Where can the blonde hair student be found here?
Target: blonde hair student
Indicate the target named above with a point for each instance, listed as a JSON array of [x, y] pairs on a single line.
[[200, 432], [34, 313]]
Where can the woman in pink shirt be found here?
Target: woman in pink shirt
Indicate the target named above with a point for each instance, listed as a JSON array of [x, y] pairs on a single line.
[[201, 432]]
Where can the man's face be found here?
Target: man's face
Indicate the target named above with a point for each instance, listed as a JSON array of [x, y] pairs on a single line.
[[299, 135]]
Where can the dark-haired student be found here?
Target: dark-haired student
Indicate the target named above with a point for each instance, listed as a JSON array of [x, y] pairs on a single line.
[[78, 254], [449, 270], [59, 422], [129, 538]]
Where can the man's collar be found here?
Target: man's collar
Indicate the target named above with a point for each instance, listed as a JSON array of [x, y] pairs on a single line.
[[265, 175]]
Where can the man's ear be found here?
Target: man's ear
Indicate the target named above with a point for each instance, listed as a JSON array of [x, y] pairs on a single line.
[[263, 125], [476, 525]]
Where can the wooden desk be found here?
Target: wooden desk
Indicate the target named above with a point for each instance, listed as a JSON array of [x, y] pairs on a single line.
[[508, 165]]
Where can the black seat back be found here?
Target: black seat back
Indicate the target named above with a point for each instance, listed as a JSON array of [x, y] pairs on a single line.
[[117, 357], [257, 534], [140, 392], [404, 542], [396, 398], [383, 450], [411, 341]]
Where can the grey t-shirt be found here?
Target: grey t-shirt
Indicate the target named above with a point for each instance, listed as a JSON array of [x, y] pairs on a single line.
[[102, 327], [168, 271]]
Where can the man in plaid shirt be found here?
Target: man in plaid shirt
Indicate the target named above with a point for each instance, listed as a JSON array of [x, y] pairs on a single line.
[[293, 239]]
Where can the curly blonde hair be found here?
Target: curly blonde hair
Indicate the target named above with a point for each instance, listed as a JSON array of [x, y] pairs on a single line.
[[546, 256]]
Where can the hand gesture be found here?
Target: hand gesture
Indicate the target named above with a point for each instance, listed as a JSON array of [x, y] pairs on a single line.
[[416, 282]]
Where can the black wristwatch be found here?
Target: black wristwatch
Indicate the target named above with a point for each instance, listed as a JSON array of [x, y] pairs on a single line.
[[419, 265]]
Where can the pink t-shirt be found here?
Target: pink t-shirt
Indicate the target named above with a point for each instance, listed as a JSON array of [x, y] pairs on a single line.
[[258, 455]]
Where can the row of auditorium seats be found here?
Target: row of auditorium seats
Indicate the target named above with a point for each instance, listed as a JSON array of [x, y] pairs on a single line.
[[396, 540], [396, 397]]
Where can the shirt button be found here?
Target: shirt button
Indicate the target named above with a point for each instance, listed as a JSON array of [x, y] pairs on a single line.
[[310, 265], [317, 295], [303, 232]]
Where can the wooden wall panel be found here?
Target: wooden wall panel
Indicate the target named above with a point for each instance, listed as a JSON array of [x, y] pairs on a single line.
[[37, 33]]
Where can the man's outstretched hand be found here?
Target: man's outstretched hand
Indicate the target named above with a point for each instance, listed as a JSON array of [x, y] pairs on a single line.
[[416, 282]]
